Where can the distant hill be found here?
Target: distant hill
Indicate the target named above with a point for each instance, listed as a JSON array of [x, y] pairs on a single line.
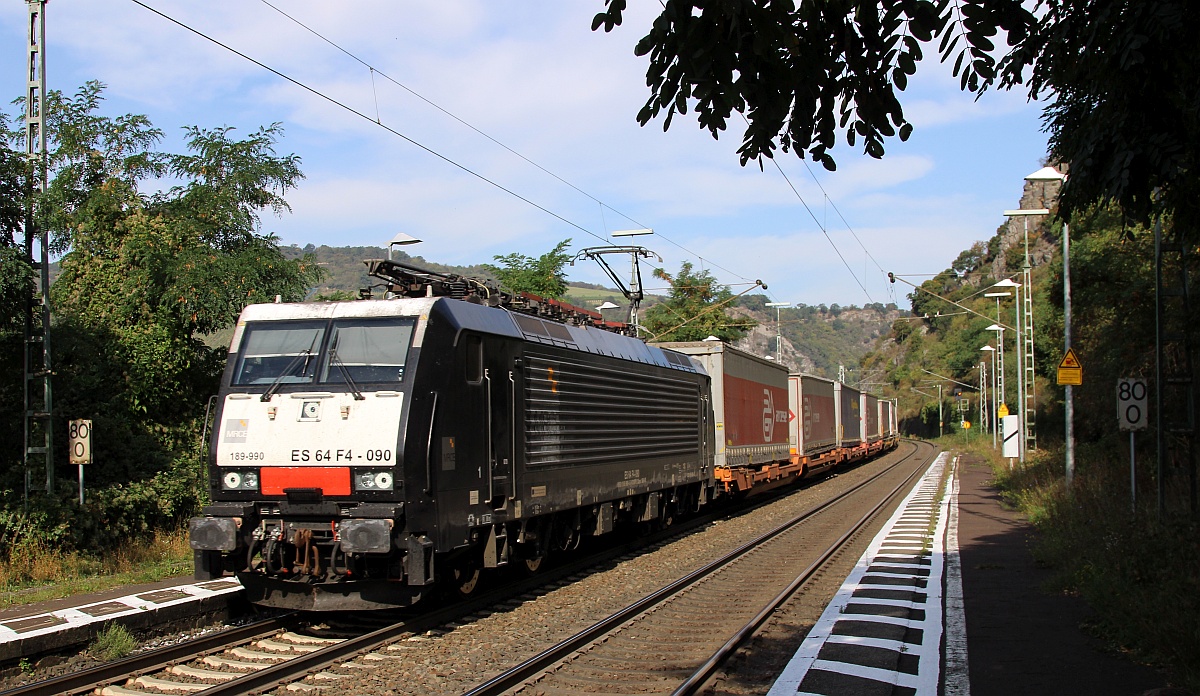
[[816, 339]]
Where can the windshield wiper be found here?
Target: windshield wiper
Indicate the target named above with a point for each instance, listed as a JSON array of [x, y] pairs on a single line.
[[305, 354], [341, 366]]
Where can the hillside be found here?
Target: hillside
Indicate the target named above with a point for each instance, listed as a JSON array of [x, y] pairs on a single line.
[[819, 339], [942, 338]]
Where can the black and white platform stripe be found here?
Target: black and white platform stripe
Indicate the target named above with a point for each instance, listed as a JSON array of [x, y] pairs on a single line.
[[882, 632]]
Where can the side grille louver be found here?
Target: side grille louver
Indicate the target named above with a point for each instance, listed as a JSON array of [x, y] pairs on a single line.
[[579, 413]]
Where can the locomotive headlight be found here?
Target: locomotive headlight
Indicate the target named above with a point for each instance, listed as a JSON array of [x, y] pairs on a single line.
[[241, 480], [373, 480]]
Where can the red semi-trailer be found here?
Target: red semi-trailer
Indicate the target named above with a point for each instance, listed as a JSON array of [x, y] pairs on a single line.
[[814, 422], [750, 409]]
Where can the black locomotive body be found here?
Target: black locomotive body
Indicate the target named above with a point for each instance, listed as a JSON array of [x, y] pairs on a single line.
[[367, 451]]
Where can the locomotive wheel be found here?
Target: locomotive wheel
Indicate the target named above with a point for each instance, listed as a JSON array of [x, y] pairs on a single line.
[[533, 565], [566, 539], [466, 580]]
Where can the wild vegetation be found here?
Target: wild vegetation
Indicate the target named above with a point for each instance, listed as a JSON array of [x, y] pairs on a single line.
[[696, 307], [145, 274], [1140, 576]]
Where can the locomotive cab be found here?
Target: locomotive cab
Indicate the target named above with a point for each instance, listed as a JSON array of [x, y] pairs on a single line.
[[306, 456]]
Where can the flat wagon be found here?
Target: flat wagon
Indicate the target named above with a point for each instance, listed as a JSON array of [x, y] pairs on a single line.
[[750, 410]]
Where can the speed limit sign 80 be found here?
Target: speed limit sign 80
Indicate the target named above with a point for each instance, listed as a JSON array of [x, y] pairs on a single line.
[[80, 440], [1131, 404]]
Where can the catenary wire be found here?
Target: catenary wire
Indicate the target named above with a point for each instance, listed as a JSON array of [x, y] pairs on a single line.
[[602, 204], [842, 217], [360, 114], [821, 227]]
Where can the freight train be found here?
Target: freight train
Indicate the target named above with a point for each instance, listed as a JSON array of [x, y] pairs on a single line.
[[365, 454]]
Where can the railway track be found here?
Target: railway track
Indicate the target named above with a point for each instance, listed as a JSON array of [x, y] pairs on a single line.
[[674, 640], [262, 656]]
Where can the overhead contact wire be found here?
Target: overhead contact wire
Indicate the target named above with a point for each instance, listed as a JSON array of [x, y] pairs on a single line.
[[842, 217], [820, 227], [433, 104], [365, 117]]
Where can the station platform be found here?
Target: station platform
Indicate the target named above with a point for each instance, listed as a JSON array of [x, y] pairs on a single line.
[[65, 623], [948, 600]]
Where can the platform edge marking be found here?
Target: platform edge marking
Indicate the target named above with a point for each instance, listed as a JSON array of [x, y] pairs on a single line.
[[957, 668]]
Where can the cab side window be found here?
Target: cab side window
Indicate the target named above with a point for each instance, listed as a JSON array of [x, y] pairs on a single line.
[[474, 359]]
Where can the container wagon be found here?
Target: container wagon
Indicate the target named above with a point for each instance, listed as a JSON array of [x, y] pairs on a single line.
[[850, 426], [887, 420], [814, 422], [872, 432], [750, 410]]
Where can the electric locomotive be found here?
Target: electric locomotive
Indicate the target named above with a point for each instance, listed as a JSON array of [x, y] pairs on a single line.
[[366, 452]]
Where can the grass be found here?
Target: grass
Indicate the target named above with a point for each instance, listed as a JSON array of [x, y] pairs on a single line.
[[113, 642], [1140, 574], [34, 573]]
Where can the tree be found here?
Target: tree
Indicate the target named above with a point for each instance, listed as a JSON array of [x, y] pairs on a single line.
[[1120, 76], [542, 276], [144, 278], [696, 308]]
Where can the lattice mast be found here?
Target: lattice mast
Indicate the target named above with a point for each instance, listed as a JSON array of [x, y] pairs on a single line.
[[39, 400], [1027, 356]]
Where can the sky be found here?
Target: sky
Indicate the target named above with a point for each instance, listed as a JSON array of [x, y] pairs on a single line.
[[562, 100]]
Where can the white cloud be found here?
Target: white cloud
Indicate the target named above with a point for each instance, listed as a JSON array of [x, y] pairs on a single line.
[[532, 75]]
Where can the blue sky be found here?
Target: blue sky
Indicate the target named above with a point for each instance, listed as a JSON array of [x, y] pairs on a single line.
[[533, 76]]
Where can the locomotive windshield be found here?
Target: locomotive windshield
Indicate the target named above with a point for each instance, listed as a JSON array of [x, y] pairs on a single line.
[[369, 351], [280, 352]]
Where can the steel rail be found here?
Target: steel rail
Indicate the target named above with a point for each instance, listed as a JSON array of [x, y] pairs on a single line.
[[538, 663], [284, 672], [147, 662], [694, 683]]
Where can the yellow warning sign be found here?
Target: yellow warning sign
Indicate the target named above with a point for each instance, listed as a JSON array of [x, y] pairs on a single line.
[[1070, 370], [966, 425], [1002, 411]]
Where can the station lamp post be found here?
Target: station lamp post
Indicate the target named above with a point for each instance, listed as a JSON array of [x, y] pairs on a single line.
[[994, 423], [983, 397], [778, 330], [1043, 175], [1025, 361], [999, 372], [401, 239], [606, 305]]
